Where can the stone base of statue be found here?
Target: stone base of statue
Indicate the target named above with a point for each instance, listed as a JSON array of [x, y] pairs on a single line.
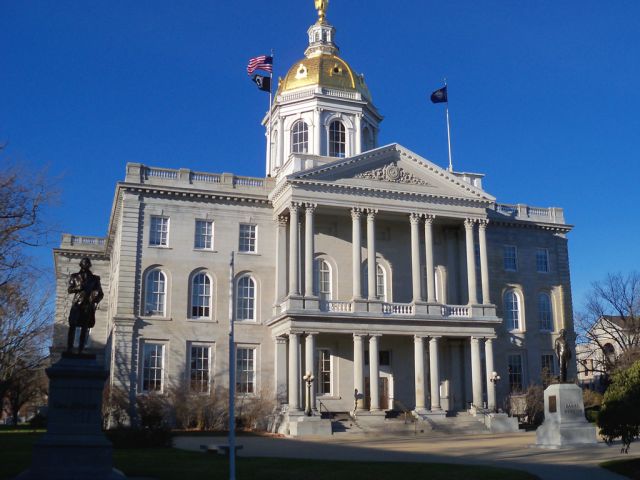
[[564, 422], [74, 447], [501, 423], [302, 426]]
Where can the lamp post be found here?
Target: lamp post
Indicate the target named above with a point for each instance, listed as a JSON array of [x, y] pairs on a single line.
[[308, 378], [494, 378]]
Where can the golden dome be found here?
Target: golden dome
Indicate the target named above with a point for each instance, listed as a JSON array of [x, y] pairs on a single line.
[[326, 71]]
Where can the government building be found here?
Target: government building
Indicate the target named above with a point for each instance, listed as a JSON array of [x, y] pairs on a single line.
[[399, 284]]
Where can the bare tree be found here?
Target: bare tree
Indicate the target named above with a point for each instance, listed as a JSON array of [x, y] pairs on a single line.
[[609, 327], [28, 387]]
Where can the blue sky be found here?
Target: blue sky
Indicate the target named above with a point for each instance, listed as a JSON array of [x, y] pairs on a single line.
[[543, 98]]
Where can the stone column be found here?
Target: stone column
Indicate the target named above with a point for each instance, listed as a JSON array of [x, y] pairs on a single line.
[[414, 218], [294, 288], [374, 374], [484, 261], [356, 213], [434, 373], [371, 254], [358, 369], [308, 249], [471, 261], [280, 368], [428, 245], [476, 372], [281, 257], [418, 360], [294, 372], [318, 131], [358, 134], [280, 146], [309, 363], [491, 386]]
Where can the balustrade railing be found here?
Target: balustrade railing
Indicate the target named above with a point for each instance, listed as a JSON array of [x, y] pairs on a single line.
[[205, 177], [398, 308], [161, 173], [525, 212], [335, 306], [459, 311]]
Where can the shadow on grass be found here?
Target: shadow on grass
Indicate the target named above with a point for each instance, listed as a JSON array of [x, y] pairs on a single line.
[[629, 468], [170, 464]]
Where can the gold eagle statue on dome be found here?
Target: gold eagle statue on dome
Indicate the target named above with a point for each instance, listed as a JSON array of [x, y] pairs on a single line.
[[321, 7]]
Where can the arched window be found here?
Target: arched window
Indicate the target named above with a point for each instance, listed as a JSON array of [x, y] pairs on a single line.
[[323, 279], [381, 283], [337, 139], [300, 137], [512, 310], [201, 296], [545, 317], [246, 298], [155, 296]]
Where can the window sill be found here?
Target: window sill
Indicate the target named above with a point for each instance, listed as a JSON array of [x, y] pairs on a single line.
[[255, 254], [207, 250], [156, 318], [160, 247], [246, 322], [328, 397], [202, 320]]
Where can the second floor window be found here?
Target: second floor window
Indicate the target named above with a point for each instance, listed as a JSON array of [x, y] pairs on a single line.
[[337, 139], [246, 299], [159, 231], [300, 137], [204, 235], [201, 296], [545, 319], [248, 238], [512, 310], [323, 279], [510, 258], [156, 288]]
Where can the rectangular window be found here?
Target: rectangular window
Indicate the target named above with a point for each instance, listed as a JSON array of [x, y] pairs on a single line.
[[153, 367], [199, 371], [546, 363], [324, 372], [515, 373], [248, 238], [204, 235], [384, 357], [510, 257], [542, 260], [159, 231], [245, 370]]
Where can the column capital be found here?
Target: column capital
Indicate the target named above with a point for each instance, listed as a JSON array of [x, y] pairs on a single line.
[[281, 220], [359, 336], [415, 217], [475, 339], [482, 223], [434, 338], [310, 207], [469, 223], [311, 333], [429, 218], [373, 335], [294, 207], [356, 213], [371, 213], [294, 334], [280, 339], [419, 338]]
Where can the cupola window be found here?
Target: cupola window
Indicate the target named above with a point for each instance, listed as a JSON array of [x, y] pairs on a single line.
[[337, 139], [300, 137]]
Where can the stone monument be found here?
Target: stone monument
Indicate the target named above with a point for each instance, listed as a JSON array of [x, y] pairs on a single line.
[[564, 422], [74, 447]]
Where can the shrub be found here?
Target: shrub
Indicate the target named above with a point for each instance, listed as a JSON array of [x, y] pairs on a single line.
[[254, 413], [115, 408], [199, 411], [620, 416], [153, 410], [535, 404]]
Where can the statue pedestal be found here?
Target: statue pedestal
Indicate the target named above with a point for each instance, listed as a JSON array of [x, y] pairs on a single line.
[[564, 422], [74, 447]]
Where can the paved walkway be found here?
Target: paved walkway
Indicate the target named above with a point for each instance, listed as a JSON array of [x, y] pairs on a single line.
[[503, 450]]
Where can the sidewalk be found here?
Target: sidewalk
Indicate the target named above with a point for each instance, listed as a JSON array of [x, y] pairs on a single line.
[[511, 450]]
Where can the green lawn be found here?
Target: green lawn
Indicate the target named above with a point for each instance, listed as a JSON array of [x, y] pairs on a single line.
[[629, 468], [169, 464]]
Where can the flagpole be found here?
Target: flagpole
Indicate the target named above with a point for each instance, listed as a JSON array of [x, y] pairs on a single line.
[[232, 379], [269, 126], [448, 128]]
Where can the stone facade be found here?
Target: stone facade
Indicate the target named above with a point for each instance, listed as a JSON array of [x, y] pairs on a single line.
[[375, 269]]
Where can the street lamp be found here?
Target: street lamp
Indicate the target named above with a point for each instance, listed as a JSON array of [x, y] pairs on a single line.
[[308, 378]]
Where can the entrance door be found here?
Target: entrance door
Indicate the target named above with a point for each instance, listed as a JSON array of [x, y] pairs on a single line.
[[383, 392]]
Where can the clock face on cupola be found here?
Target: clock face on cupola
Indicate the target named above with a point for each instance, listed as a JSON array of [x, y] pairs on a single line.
[[322, 109]]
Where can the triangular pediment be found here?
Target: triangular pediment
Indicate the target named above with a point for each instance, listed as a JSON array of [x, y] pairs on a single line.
[[393, 168]]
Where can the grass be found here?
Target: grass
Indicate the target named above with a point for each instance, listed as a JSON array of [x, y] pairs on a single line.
[[169, 464], [629, 468]]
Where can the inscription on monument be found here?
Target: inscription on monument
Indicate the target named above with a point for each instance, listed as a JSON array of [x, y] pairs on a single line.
[[552, 404]]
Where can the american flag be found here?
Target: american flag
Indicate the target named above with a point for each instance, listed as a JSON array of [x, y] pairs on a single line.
[[263, 62]]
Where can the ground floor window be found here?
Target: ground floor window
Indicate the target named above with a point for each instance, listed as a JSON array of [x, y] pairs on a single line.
[[153, 366], [245, 370], [324, 372], [199, 370], [515, 373]]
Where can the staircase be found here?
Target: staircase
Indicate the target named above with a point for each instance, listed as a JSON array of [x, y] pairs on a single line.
[[457, 423]]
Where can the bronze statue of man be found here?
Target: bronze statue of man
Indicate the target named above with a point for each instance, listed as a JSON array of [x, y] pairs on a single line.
[[563, 351], [87, 293]]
